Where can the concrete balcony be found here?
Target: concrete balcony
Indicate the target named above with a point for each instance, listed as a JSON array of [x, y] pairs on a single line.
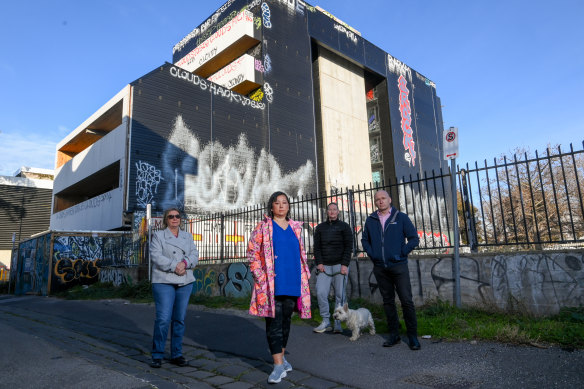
[[228, 43], [240, 75]]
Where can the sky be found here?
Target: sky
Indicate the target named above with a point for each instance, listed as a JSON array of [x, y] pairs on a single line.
[[510, 73]]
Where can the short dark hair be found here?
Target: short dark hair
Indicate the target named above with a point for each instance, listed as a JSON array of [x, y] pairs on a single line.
[[332, 203], [273, 199]]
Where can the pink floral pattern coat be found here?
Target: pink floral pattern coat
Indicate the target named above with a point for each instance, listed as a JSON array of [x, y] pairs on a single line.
[[260, 254]]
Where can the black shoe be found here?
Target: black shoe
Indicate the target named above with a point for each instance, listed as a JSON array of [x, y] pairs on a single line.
[[156, 363], [179, 361], [414, 343], [392, 341]]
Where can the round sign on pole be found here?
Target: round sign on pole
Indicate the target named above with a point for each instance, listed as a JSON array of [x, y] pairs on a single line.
[[450, 143]]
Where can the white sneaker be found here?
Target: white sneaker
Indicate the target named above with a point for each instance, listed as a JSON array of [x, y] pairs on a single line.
[[322, 327], [287, 365], [338, 329], [277, 374]]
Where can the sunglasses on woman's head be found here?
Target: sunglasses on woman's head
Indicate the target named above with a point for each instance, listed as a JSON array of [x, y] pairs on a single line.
[[173, 216]]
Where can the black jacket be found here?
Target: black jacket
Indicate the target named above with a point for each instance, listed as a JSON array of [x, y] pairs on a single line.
[[333, 243], [389, 247]]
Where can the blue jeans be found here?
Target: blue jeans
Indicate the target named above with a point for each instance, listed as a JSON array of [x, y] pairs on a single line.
[[171, 308], [391, 280]]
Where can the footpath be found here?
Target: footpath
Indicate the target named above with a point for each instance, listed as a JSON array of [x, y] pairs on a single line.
[[50, 343]]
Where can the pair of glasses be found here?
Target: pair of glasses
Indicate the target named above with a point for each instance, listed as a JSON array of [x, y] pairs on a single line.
[[173, 216]]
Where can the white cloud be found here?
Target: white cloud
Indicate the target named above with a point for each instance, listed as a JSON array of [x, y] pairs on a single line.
[[18, 150]]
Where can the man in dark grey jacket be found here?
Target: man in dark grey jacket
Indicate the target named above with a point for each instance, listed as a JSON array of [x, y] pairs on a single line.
[[333, 245], [384, 240]]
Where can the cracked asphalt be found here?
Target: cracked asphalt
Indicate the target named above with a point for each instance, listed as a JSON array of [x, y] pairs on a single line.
[[49, 342]]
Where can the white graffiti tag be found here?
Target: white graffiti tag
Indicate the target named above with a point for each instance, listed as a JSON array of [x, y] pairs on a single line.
[[147, 180], [268, 92]]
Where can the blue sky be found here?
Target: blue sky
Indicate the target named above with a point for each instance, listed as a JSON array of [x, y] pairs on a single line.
[[510, 73]]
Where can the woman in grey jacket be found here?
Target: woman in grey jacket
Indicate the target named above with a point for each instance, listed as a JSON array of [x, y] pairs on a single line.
[[174, 255]]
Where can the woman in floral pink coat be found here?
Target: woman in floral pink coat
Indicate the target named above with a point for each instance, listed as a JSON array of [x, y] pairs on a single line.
[[278, 263]]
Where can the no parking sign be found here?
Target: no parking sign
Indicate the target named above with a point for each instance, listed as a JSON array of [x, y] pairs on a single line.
[[450, 143]]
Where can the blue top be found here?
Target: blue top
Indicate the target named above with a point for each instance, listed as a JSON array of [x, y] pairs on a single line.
[[286, 261]]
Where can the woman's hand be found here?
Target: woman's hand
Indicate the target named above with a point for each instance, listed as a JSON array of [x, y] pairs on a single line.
[[180, 269]]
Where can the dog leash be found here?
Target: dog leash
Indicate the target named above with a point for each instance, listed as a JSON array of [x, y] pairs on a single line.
[[343, 298]]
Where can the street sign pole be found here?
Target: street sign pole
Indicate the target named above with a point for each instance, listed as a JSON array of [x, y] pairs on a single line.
[[450, 146]]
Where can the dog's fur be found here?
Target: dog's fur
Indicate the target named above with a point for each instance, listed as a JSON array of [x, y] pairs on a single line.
[[356, 320]]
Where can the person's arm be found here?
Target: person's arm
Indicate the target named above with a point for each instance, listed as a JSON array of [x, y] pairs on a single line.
[[411, 234], [366, 239], [347, 245], [191, 257], [317, 246], [254, 258]]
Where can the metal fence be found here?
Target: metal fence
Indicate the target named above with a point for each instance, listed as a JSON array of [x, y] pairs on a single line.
[[523, 203], [527, 202]]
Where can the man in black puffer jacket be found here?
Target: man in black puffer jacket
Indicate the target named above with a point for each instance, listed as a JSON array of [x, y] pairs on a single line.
[[384, 240], [333, 245]]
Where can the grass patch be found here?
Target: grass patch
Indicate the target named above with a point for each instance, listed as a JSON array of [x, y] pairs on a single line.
[[241, 303], [439, 319], [138, 293]]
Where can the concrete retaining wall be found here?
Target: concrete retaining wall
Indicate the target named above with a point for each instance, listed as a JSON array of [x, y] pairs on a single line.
[[537, 282]]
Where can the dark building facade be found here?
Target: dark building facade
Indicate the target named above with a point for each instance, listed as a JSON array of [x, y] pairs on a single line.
[[262, 96]]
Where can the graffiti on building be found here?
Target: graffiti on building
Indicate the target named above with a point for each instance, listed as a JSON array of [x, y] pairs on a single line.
[[259, 66], [258, 95], [430, 210], [267, 63], [226, 177], [82, 271], [216, 90], [101, 201], [147, 180], [396, 66], [268, 92], [117, 276], [203, 27], [348, 33], [266, 15], [239, 281], [406, 120], [205, 280]]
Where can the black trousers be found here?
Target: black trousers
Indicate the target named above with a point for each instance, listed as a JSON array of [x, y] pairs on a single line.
[[392, 280], [278, 327]]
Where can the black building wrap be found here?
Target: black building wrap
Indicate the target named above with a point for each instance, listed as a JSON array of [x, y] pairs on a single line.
[[204, 148]]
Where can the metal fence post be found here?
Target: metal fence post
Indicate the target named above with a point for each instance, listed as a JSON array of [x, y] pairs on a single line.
[[456, 233], [222, 244], [471, 231]]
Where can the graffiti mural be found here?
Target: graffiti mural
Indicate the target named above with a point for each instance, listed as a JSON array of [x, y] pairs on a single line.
[[406, 120], [117, 276], [147, 180], [227, 177], [77, 271], [239, 281], [205, 281]]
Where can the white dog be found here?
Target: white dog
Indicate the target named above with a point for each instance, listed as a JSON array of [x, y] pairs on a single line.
[[356, 320]]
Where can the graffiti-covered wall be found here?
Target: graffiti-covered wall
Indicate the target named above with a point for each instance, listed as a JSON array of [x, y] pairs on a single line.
[[539, 283], [57, 261]]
